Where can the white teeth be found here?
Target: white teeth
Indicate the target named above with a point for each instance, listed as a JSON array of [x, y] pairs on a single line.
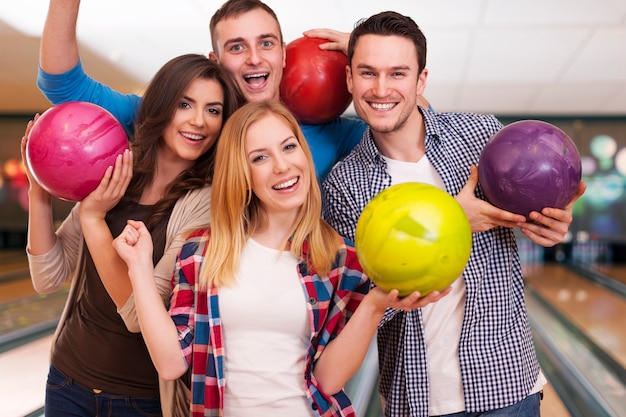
[[262, 75], [192, 136], [382, 106], [286, 184]]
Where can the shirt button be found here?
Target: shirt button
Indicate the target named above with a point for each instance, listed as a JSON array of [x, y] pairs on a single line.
[[312, 301], [314, 406]]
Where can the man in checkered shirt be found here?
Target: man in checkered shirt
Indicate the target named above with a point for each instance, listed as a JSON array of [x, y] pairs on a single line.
[[471, 353]]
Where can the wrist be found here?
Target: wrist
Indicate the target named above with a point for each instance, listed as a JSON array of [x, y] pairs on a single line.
[[36, 193], [91, 218], [140, 268], [373, 303]]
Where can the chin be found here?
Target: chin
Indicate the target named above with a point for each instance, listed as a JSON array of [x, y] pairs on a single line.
[[255, 96]]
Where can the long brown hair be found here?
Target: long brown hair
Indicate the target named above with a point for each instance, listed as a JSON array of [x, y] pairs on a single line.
[[157, 109], [236, 212]]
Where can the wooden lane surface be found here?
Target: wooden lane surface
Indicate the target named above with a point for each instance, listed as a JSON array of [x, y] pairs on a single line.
[[597, 311], [617, 272]]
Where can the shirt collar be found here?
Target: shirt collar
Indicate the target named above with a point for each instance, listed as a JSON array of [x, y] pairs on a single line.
[[370, 151], [430, 123]]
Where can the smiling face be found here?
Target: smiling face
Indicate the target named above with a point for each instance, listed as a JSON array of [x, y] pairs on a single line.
[[279, 168], [250, 47], [196, 123], [384, 81]]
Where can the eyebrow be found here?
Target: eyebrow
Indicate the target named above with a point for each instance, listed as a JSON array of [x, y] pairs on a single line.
[[393, 68], [287, 139], [240, 39], [211, 103]]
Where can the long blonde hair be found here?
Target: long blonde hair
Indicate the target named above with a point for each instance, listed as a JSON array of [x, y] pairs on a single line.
[[236, 212]]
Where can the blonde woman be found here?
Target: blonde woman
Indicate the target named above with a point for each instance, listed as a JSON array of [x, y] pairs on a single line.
[[264, 307]]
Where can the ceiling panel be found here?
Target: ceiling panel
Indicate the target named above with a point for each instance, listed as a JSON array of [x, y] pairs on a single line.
[[500, 56], [602, 58], [572, 98], [522, 56], [554, 13]]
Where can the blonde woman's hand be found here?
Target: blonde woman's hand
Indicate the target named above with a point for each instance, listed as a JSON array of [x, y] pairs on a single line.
[[392, 299], [134, 244]]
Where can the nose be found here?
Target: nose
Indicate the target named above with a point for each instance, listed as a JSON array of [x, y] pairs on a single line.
[[197, 117], [254, 56], [380, 87], [281, 164]]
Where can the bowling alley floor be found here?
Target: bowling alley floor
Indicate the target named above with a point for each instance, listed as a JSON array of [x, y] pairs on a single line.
[[594, 309], [23, 378], [596, 315], [27, 320]]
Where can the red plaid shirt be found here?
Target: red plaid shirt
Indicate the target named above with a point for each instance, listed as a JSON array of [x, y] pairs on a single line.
[[331, 301]]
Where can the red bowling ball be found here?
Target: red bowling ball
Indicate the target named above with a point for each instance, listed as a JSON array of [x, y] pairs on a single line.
[[70, 147], [313, 86], [529, 165]]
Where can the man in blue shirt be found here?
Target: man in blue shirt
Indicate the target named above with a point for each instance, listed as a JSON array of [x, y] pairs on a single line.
[[247, 40], [472, 351]]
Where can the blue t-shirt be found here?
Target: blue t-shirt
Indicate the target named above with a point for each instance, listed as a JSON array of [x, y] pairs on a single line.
[[329, 142]]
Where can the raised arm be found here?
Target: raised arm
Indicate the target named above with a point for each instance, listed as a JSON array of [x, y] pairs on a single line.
[[61, 77], [93, 209], [344, 355], [134, 246], [52, 255], [41, 236], [191, 212], [58, 51]]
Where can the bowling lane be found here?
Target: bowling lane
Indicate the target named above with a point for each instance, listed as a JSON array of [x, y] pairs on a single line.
[[13, 265], [597, 311], [617, 272], [14, 276], [22, 311], [23, 378]]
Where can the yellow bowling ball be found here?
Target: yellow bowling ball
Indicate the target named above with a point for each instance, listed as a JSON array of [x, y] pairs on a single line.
[[413, 237]]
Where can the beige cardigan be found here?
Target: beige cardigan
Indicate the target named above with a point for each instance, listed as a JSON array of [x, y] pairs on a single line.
[[52, 270]]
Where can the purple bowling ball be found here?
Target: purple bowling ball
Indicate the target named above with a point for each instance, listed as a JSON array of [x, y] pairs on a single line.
[[529, 165]]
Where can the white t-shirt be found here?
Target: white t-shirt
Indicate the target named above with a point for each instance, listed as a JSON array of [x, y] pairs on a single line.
[[266, 336], [443, 319]]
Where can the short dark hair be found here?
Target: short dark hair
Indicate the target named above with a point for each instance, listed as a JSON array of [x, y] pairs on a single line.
[[234, 8], [390, 24]]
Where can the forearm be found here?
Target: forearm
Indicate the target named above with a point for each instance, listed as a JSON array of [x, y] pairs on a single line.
[[157, 327], [111, 268], [41, 235], [343, 356], [58, 51], [55, 265]]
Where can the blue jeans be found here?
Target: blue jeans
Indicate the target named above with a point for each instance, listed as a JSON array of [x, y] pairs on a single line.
[[528, 407], [66, 398]]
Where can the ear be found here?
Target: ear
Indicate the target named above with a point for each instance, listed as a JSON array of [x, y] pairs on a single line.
[[213, 56], [421, 81], [284, 54], [349, 78]]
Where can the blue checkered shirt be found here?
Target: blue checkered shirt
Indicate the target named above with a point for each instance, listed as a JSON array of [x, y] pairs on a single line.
[[496, 352]]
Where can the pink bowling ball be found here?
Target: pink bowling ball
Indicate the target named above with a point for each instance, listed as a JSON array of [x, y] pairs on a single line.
[[70, 147]]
